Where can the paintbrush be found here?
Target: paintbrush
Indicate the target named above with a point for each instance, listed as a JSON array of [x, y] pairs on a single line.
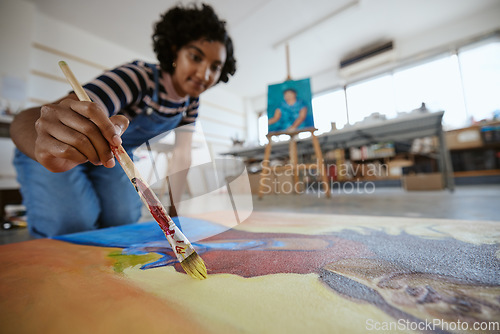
[[190, 261]]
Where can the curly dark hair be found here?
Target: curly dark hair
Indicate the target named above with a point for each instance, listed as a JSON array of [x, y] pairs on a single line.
[[181, 25]]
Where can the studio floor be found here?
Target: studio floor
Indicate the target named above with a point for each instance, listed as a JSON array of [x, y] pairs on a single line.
[[478, 202], [297, 264], [471, 202]]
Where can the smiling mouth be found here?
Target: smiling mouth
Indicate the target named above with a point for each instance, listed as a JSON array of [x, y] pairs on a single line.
[[198, 84]]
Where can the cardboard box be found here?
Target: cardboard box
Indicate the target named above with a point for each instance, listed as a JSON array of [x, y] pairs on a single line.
[[431, 181], [280, 184], [284, 185], [464, 138], [254, 182]]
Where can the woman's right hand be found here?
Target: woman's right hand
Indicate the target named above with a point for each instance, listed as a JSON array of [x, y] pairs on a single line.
[[71, 132]]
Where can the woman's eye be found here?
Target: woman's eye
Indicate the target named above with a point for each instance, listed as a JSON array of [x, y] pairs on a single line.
[[216, 68], [195, 57]]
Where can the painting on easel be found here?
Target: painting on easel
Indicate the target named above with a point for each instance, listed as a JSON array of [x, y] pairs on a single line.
[[289, 106]]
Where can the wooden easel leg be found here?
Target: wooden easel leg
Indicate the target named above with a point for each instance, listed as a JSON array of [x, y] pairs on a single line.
[[294, 160], [266, 171], [321, 164]]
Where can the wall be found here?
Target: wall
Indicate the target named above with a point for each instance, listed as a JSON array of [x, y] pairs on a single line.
[[87, 55], [18, 17], [222, 118], [16, 32], [438, 39]]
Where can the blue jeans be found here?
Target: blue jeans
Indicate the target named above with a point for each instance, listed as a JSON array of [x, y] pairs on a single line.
[[86, 197]]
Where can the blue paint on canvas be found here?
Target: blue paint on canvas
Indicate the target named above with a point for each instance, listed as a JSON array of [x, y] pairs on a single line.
[[143, 233]]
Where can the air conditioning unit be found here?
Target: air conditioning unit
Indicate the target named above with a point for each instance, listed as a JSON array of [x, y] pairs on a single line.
[[367, 58]]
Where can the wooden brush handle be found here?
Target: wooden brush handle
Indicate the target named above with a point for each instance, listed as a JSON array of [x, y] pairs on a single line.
[[79, 91]]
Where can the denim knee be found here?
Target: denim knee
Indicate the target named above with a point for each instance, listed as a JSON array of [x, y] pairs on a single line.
[[56, 203]]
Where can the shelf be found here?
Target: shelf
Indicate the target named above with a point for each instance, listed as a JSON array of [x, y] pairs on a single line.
[[487, 146], [4, 129], [487, 172]]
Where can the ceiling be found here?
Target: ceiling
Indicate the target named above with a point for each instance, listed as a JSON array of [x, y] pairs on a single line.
[[318, 32]]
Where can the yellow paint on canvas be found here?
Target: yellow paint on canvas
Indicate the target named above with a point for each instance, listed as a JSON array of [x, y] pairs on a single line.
[[123, 261], [280, 303]]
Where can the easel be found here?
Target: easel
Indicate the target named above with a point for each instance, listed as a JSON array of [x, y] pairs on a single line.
[[319, 165]]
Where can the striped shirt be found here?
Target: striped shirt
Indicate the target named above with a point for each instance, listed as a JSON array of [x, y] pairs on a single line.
[[128, 90]]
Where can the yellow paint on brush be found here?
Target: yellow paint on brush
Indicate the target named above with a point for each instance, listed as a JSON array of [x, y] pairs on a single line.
[[194, 266], [280, 303]]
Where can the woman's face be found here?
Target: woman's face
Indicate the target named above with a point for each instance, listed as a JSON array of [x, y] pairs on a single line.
[[198, 67]]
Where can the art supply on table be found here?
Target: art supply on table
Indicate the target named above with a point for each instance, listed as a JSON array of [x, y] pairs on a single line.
[[15, 217], [190, 261]]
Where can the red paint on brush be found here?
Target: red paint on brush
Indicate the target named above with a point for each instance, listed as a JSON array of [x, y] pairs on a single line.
[[162, 220], [116, 151], [155, 207]]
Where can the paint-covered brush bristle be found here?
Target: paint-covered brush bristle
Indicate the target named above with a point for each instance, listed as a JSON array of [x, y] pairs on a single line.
[[194, 266]]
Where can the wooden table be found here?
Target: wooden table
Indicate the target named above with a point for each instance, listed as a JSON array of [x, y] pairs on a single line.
[[274, 273]]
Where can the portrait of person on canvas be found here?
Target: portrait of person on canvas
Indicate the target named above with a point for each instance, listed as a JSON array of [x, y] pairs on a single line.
[[292, 110], [69, 179]]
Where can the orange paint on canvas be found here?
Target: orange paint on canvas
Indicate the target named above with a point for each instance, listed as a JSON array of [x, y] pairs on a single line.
[[51, 286]]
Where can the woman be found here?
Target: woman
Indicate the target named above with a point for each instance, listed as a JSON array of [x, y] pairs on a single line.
[[69, 179]]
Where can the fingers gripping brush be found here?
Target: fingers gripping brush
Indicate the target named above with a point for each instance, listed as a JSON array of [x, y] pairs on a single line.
[[190, 261]]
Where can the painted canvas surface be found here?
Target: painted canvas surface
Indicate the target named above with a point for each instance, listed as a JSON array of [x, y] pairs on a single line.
[[274, 273], [289, 106]]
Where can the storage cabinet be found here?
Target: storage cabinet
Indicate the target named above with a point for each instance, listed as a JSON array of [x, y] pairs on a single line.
[[475, 150]]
